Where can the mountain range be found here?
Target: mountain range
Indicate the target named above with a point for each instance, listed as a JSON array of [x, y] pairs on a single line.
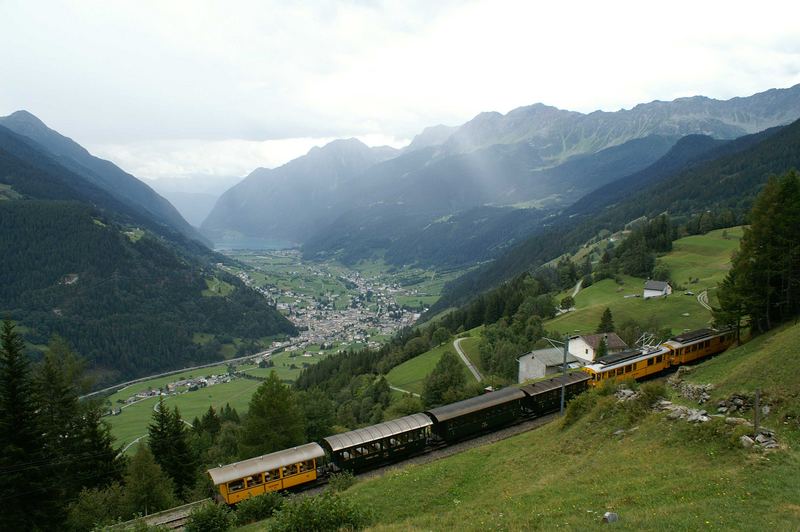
[[349, 201]]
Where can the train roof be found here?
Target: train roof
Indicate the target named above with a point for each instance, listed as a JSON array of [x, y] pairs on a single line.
[[693, 335], [554, 383], [475, 404], [267, 462], [383, 430]]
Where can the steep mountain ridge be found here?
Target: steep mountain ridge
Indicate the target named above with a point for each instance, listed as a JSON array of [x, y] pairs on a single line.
[[287, 203], [100, 172], [80, 263], [558, 134]]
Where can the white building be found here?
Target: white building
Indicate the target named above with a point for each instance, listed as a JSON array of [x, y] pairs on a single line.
[[656, 289], [585, 347], [544, 362]]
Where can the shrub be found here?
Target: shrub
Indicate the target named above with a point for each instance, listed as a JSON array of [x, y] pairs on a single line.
[[258, 508], [339, 482], [328, 511], [210, 517], [578, 407]]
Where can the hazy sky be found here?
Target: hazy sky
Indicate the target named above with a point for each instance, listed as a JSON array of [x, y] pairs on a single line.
[[171, 89]]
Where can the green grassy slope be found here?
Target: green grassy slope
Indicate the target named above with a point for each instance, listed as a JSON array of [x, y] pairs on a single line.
[[704, 258], [659, 475], [410, 375]]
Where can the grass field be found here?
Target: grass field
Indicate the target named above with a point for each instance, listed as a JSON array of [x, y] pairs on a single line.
[[657, 475], [704, 259], [591, 302], [410, 375], [133, 420]]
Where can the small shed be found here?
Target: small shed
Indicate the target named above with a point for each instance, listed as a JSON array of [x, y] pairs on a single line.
[[542, 362], [656, 289]]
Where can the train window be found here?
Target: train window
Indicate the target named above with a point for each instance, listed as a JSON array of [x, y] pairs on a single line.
[[236, 485], [270, 476], [255, 480], [290, 470], [651, 361], [627, 369], [659, 358], [345, 456]]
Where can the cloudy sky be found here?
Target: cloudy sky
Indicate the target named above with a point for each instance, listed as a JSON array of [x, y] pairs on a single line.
[[176, 89]]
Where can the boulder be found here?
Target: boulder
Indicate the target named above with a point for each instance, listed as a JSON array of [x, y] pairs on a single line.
[[746, 441]]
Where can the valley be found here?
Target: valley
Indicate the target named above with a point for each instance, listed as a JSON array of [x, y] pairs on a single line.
[[334, 308]]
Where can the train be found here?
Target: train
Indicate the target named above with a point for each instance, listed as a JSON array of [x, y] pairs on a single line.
[[392, 441], [396, 440], [649, 360]]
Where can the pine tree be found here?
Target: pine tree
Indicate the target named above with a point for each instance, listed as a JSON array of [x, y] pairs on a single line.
[[602, 349], [606, 322], [147, 488], [169, 442], [274, 420], [447, 380], [25, 485], [764, 281]]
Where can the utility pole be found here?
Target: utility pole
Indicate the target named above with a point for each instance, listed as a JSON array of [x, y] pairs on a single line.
[[564, 374]]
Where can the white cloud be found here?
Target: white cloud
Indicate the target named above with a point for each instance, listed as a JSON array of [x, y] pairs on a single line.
[[222, 158], [139, 78]]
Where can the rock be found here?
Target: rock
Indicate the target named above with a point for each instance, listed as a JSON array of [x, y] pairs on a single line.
[[736, 421], [675, 414], [765, 410], [772, 444], [760, 438], [618, 432], [722, 409], [738, 402], [746, 441], [664, 403], [610, 517]]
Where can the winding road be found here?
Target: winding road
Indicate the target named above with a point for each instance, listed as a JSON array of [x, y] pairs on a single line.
[[470, 366]]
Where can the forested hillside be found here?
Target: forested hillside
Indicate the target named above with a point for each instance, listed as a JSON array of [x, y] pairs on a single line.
[[128, 190], [704, 184], [81, 264]]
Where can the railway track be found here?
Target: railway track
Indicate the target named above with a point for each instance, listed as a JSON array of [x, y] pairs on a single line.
[[172, 519]]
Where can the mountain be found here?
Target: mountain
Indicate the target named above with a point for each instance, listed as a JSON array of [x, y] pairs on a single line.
[[698, 177], [407, 211], [289, 202], [556, 134], [99, 172], [81, 263], [535, 156]]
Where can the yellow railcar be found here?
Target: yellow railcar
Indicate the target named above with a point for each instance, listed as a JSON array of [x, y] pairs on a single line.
[[631, 364], [640, 363], [270, 472], [691, 346]]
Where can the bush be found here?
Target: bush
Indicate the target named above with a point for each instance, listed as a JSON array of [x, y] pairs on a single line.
[[210, 517], [339, 482], [578, 407], [258, 508], [328, 511]]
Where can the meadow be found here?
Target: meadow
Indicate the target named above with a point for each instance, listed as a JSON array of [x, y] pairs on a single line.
[[654, 472]]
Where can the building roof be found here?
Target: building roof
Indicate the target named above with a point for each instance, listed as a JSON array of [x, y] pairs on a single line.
[[357, 437], [659, 286], [613, 342], [267, 462], [551, 356]]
